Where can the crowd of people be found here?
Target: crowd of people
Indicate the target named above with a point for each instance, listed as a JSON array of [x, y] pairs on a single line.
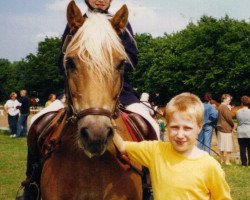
[[17, 108], [222, 121]]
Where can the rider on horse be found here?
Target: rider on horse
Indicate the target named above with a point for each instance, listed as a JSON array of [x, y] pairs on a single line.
[[127, 97]]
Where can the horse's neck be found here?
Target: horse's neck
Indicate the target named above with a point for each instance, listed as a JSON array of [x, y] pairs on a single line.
[[122, 129]]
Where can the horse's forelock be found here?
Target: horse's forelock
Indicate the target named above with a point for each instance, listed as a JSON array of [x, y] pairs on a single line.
[[95, 44]]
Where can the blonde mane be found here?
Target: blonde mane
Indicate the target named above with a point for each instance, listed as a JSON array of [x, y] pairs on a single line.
[[95, 44]]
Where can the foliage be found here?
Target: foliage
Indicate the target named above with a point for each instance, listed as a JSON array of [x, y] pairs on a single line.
[[8, 78], [36, 72], [43, 70], [210, 56]]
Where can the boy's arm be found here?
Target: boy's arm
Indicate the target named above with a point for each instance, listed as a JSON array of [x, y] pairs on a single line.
[[119, 143], [140, 152]]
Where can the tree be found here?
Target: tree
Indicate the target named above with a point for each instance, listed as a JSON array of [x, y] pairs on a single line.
[[212, 55]]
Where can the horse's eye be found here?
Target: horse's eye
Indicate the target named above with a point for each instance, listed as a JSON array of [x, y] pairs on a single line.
[[120, 66], [70, 64]]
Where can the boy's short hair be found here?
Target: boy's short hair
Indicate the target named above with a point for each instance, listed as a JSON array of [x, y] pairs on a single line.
[[188, 105]]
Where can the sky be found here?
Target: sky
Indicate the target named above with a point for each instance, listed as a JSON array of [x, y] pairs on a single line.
[[24, 23]]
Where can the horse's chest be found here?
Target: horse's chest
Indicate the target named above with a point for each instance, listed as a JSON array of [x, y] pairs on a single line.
[[92, 179]]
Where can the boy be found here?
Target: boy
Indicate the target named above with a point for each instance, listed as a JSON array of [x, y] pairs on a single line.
[[178, 169]]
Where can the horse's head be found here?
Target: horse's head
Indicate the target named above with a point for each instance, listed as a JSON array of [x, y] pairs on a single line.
[[93, 62]]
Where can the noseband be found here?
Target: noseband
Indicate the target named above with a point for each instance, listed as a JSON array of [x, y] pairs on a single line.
[[74, 115]]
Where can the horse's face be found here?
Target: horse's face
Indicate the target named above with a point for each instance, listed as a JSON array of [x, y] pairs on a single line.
[[94, 63]]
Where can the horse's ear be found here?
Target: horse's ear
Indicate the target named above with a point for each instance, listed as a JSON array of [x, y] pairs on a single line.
[[120, 19], [74, 17]]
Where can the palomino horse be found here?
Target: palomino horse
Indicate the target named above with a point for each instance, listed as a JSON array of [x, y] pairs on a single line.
[[84, 165], [233, 110]]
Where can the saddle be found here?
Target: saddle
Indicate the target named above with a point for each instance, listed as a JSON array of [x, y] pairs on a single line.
[[138, 127], [44, 128]]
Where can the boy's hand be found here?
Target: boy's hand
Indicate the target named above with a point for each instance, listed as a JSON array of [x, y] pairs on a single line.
[[117, 139]]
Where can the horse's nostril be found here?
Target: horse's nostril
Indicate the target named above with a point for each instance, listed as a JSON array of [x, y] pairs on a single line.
[[84, 133], [110, 133]]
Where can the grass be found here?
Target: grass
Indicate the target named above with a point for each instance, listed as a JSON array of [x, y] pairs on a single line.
[[13, 165], [238, 178]]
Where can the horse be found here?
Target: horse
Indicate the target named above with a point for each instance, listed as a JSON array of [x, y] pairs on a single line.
[[83, 163]]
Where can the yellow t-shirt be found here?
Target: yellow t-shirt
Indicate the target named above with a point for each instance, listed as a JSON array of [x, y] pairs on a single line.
[[175, 176]]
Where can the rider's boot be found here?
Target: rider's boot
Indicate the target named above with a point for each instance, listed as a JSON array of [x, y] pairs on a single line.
[[32, 182]]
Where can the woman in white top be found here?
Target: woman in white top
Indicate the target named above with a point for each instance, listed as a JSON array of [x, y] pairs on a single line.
[[243, 130], [11, 107]]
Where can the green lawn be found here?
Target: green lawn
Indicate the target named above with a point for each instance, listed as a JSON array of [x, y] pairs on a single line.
[[13, 162]]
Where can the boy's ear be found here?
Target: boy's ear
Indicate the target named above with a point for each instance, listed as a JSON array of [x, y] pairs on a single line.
[[74, 17], [120, 20]]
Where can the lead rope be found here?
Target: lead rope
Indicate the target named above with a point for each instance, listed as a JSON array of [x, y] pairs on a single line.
[[208, 147]]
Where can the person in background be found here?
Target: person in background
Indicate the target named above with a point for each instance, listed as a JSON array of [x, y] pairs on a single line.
[[11, 108], [22, 126], [52, 98], [156, 100], [225, 127], [210, 119], [179, 169], [243, 130], [144, 100]]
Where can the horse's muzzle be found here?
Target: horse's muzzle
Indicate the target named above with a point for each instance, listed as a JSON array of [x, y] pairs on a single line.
[[94, 139]]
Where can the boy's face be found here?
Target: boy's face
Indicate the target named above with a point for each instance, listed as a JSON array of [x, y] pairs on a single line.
[[100, 4], [182, 133]]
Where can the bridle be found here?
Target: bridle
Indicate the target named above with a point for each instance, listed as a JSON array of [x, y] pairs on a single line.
[[72, 113]]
